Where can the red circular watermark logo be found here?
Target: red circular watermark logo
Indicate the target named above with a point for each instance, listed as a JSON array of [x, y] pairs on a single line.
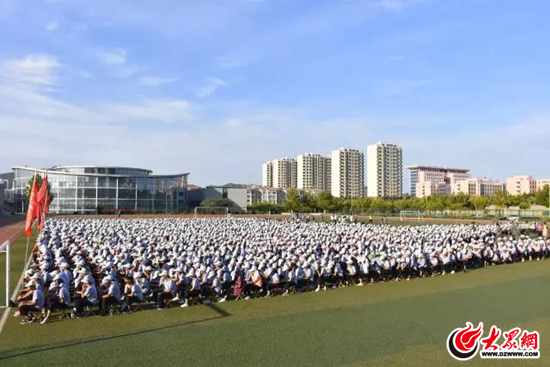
[[463, 343]]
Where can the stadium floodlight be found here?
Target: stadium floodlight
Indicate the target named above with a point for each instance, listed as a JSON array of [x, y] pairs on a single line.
[[5, 247], [409, 214], [214, 210]]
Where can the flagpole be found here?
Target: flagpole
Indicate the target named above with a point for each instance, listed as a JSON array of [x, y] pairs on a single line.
[[27, 251], [26, 258], [28, 238], [26, 263]]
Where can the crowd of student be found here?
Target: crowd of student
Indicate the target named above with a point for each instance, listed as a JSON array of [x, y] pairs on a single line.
[[89, 265]]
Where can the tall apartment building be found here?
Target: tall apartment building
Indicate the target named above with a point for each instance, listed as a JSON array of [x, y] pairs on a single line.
[[477, 187], [430, 180], [267, 174], [347, 173], [384, 170], [314, 172], [524, 184], [519, 185], [280, 173]]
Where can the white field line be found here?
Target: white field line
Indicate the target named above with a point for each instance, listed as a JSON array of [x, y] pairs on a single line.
[[15, 291]]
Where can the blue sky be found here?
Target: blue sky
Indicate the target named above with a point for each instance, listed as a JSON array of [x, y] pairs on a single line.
[[217, 87]]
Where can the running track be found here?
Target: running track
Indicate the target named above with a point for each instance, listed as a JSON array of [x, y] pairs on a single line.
[[11, 228]]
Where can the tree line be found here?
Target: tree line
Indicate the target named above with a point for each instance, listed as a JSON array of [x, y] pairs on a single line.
[[325, 202]]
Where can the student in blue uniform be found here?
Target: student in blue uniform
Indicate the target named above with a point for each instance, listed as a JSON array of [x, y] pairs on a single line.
[[88, 298], [111, 297], [35, 304]]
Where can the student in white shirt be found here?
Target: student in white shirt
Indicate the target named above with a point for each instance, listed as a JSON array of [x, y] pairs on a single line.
[[111, 297], [58, 299], [144, 284], [275, 280], [193, 290], [88, 297], [26, 308], [167, 291], [181, 283], [133, 292]]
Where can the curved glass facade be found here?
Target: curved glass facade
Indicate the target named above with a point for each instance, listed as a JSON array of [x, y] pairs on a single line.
[[86, 189]]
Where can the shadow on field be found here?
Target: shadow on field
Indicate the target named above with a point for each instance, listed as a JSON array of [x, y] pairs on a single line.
[[33, 350]]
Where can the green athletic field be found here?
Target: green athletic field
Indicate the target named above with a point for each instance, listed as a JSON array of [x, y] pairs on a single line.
[[397, 323]]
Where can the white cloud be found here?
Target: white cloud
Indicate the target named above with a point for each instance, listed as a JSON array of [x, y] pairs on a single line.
[[152, 81], [210, 86], [32, 70], [166, 110], [117, 60], [537, 127], [84, 74], [18, 100], [52, 26], [231, 62], [113, 57], [127, 70], [154, 133]]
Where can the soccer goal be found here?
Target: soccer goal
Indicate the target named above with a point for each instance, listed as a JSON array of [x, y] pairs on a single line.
[[212, 210], [5, 255], [409, 214]]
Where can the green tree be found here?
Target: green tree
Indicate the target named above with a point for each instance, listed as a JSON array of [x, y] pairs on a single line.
[[500, 199], [361, 205], [417, 203], [541, 197], [525, 204], [308, 202], [513, 200], [401, 204], [39, 180], [458, 202], [379, 205], [325, 201], [292, 201], [264, 208], [436, 203], [480, 202]]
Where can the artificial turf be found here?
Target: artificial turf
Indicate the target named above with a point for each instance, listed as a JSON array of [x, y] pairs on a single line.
[[396, 323], [17, 263]]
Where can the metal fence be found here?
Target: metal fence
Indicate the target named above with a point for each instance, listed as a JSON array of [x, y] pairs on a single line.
[[469, 214], [5, 247]]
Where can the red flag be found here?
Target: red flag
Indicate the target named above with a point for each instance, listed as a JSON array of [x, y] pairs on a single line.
[[42, 201], [32, 211], [49, 200]]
